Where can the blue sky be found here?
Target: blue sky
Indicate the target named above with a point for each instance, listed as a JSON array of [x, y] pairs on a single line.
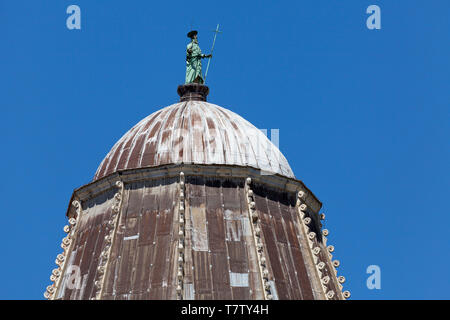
[[363, 118]]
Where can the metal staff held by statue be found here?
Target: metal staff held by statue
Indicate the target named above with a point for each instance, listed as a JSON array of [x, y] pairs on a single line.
[[212, 49]]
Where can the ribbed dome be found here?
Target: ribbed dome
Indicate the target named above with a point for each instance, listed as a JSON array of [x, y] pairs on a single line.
[[194, 132]]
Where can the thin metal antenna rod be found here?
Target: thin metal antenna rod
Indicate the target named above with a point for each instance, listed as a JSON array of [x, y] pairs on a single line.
[[212, 49]]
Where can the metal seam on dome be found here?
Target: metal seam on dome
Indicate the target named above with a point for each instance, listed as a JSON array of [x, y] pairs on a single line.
[[116, 148], [229, 137], [282, 169], [149, 129], [149, 140], [189, 121], [234, 136], [142, 129], [199, 150], [180, 128], [179, 115], [209, 149], [241, 137], [236, 140], [161, 134], [219, 149], [221, 128]]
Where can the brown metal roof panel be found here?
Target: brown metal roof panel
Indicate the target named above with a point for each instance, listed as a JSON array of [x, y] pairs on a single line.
[[237, 252], [302, 274], [159, 275], [220, 276], [274, 258], [290, 271], [147, 227], [241, 293], [215, 223], [90, 289], [114, 260], [202, 274], [134, 200], [86, 260], [291, 233], [167, 201], [141, 278], [122, 269], [157, 293], [255, 285]]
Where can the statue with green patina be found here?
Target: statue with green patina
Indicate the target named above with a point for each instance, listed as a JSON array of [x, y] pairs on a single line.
[[193, 60]]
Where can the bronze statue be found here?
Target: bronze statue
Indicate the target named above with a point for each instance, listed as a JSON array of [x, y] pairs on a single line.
[[193, 60]]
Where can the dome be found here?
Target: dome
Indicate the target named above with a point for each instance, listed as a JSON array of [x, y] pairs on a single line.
[[195, 132]]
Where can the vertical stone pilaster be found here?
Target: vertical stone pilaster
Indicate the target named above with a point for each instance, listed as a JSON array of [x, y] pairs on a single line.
[[181, 238], [256, 233], [67, 243], [102, 268]]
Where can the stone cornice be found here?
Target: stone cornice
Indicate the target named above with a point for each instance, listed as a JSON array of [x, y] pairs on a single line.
[[173, 170]]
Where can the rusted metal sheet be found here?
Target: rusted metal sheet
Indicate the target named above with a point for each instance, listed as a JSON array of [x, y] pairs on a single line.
[[216, 237], [194, 132], [202, 275], [220, 276], [83, 260], [129, 227], [220, 258], [298, 258], [227, 245], [162, 278], [285, 253], [201, 258], [143, 247], [147, 231]]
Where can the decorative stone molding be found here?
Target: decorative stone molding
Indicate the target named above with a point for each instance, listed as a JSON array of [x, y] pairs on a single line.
[[109, 239], [181, 238], [330, 294], [128, 176], [256, 232], [305, 223], [61, 258], [334, 263]]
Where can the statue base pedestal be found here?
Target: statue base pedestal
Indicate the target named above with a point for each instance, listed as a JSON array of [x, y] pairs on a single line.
[[192, 92]]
